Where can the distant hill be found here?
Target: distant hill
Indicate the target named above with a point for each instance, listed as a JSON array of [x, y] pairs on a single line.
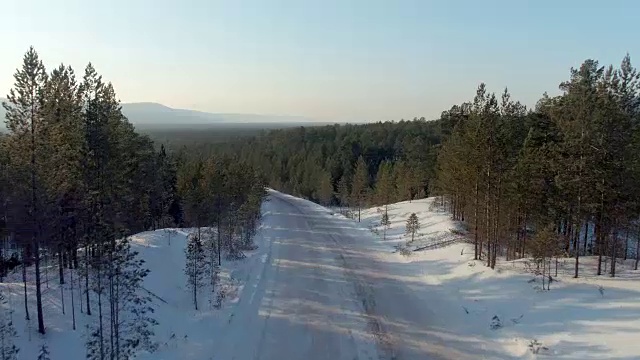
[[152, 115]]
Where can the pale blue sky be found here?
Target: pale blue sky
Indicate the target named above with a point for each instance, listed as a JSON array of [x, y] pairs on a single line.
[[330, 60]]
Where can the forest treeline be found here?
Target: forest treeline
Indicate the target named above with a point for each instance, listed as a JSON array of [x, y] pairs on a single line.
[[562, 179], [343, 164], [569, 164], [77, 180]]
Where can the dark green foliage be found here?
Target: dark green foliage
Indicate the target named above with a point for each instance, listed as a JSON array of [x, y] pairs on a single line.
[[571, 163], [295, 160], [325, 189], [360, 185], [82, 178], [385, 189]]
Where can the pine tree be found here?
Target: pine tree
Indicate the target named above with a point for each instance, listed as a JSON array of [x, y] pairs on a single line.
[[360, 184], [133, 315], [403, 177], [325, 190], [385, 184], [24, 120], [413, 225], [385, 223], [344, 191], [195, 266], [543, 247]]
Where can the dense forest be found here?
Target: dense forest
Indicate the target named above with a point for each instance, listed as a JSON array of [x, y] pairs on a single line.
[[570, 164], [341, 164], [77, 180]]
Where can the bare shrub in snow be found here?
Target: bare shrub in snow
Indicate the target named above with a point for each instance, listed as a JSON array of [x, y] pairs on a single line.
[[44, 353], [535, 346], [403, 250], [170, 233], [496, 323]]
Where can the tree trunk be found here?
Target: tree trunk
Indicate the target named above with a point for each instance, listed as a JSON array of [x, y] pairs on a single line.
[[524, 237], [544, 268], [24, 281], [112, 300], [38, 288], [60, 265], [488, 218], [46, 269], [566, 231], [195, 280], [73, 307], [62, 298], [549, 279], [598, 245], [476, 254], [637, 253], [219, 231], [86, 277], [626, 244], [80, 294], [116, 320], [496, 238], [576, 249], [100, 332], [586, 232], [601, 235], [74, 248], [614, 248]]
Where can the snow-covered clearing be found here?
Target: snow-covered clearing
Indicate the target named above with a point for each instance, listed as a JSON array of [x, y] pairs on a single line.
[[592, 317]]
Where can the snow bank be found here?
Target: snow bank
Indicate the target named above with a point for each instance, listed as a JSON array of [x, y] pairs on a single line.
[[592, 317]]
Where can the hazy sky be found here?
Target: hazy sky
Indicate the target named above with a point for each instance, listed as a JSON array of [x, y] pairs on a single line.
[[337, 60]]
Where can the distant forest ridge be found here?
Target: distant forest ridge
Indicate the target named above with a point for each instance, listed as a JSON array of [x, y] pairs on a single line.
[[148, 115]]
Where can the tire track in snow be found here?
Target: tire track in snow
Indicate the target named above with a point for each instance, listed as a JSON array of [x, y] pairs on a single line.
[[366, 298]]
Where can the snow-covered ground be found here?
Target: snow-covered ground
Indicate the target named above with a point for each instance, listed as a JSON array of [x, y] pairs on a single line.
[[321, 286], [182, 333], [592, 317]]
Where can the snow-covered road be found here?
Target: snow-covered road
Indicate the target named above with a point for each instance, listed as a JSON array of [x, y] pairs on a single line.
[[322, 292]]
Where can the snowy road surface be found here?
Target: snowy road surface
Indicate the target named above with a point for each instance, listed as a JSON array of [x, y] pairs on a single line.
[[323, 293]]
